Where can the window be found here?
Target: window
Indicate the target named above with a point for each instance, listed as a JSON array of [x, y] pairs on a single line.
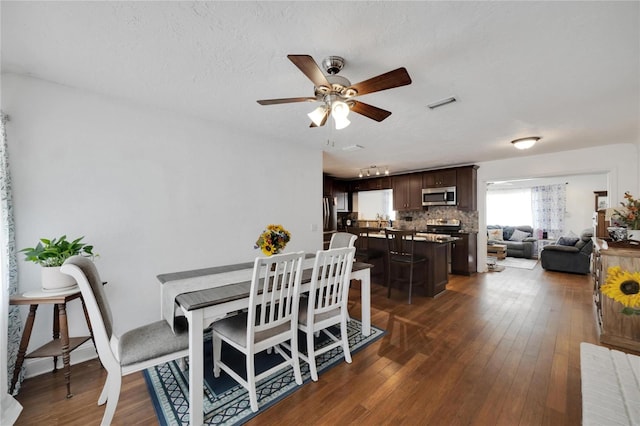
[[373, 204], [509, 207]]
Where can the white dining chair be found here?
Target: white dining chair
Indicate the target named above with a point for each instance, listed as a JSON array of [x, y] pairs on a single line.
[[342, 239], [271, 320], [326, 305], [135, 350]]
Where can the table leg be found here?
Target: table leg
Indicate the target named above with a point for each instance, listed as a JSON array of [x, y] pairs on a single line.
[[86, 317], [64, 339], [56, 332], [196, 370], [364, 275], [24, 343]]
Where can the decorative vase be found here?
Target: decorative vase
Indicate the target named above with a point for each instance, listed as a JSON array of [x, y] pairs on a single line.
[[633, 234], [54, 280]]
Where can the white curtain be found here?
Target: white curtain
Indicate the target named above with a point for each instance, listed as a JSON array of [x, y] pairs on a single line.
[[8, 265], [548, 204]]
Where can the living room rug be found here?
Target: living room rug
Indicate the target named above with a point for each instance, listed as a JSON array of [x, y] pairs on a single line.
[[518, 262], [227, 402]]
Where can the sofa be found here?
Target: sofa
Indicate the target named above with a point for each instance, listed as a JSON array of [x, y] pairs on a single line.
[[518, 239], [569, 254]]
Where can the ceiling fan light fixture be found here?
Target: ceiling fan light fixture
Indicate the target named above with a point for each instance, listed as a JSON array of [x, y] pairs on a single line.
[[317, 115], [339, 109], [341, 122], [525, 143]]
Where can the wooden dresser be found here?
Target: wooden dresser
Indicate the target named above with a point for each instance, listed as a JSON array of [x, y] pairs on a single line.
[[615, 328]]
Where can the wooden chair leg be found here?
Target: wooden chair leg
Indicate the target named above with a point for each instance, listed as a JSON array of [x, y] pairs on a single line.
[[410, 281]]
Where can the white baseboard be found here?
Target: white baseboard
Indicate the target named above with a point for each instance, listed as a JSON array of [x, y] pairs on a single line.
[[38, 366]]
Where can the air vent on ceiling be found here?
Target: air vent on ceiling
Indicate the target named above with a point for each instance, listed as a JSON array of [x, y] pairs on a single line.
[[353, 148], [442, 102]]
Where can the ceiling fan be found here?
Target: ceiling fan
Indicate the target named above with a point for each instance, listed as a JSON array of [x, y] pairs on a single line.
[[337, 93]]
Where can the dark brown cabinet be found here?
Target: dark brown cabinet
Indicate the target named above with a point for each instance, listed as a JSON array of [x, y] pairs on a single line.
[[371, 184], [327, 186], [439, 178], [431, 277], [466, 188], [463, 254], [407, 192]]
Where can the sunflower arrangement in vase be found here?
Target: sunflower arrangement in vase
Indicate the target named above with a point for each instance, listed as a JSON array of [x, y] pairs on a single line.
[[273, 239], [624, 287]]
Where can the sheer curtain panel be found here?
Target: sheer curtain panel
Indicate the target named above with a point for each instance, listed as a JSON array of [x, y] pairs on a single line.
[[10, 322], [548, 204]]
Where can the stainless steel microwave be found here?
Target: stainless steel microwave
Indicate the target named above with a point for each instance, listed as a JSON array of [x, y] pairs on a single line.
[[439, 196]]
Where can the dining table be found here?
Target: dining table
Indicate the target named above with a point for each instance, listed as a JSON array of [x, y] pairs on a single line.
[[203, 296]]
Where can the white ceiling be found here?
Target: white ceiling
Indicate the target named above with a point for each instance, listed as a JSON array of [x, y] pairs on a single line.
[[566, 71]]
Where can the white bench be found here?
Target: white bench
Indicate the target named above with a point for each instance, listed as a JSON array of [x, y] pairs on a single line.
[[610, 386]]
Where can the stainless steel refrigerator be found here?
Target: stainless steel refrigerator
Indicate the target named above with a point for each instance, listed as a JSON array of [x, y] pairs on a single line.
[[329, 214], [329, 219]]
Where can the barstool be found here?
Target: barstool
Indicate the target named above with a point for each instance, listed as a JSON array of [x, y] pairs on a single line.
[[400, 245]]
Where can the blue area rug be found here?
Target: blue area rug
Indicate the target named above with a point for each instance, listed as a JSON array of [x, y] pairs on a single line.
[[225, 401]]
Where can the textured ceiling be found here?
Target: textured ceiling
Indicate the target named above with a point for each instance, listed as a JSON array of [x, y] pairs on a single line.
[[566, 71]]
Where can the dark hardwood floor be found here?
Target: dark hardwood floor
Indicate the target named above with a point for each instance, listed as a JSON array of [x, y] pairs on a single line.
[[500, 348]]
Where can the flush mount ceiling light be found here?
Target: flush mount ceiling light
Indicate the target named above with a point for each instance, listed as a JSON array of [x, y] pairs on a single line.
[[525, 143], [373, 169]]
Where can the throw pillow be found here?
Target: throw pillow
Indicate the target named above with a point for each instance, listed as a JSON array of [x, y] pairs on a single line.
[[495, 234], [518, 235], [569, 239]]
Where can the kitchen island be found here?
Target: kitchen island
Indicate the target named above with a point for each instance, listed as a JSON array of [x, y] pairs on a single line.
[[429, 279]]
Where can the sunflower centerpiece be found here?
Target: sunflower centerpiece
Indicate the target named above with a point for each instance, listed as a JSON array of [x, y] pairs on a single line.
[[624, 287], [273, 239]]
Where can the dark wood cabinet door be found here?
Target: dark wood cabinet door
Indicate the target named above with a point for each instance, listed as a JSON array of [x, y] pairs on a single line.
[[407, 192], [463, 255], [414, 188], [327, 186], [466, 192], [440, 178]]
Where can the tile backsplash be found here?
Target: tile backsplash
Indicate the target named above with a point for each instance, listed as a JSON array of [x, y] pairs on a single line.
[[418, 219]]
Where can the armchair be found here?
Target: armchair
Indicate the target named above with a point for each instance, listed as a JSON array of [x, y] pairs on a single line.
[[569, 258]]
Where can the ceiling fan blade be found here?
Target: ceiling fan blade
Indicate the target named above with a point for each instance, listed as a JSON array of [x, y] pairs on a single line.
[[324, 120], [370, 111], [309, 67], [389, 80], [285, 101]]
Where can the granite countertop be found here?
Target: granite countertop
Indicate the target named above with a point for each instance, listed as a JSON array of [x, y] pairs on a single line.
[[430, 238]]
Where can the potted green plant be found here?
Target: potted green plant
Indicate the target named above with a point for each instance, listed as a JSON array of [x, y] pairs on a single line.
[[51, 254]]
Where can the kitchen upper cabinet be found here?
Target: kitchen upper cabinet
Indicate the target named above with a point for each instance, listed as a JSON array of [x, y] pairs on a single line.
[[340, 191], [407, 192], [342, 201], [466, 188], [439, 178], [327, 186], [371, 184]]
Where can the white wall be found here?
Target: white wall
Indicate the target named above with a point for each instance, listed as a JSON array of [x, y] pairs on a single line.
[[153, 191], [619, 162]]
